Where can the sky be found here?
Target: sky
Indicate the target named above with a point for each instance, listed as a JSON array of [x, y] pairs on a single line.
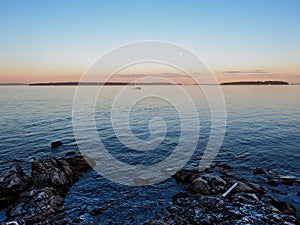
[[52, 41]]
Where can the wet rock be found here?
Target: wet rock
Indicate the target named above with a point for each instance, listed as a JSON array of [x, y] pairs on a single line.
[[12, 183], [70, 153], [81, 163], [201, 186], [10, 223], [56, 144], [258, 188], [53, 173], [224, 165], [285, 207], [187, 175], [258, 170], [244, 187], [39, 200], [273, 182], [287, 180], [46, 202], [215, 181], [247, 204], [15, 180]]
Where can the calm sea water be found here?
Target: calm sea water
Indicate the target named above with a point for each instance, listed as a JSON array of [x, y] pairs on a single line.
[[263, 130]]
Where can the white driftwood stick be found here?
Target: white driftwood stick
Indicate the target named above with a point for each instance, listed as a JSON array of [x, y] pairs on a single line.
[[229, 190]]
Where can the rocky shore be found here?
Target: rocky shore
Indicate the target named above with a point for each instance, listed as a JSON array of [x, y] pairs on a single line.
[[204, 201], [213, 196], [38, 199]]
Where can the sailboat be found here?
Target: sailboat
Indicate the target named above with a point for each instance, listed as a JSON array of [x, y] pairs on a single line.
[[135, 87]]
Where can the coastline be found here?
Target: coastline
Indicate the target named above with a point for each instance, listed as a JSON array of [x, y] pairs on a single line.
[[200, 202]]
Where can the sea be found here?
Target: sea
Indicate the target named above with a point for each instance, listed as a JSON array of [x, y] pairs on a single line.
[[262, 130]]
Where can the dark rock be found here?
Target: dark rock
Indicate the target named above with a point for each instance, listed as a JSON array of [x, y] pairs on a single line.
[[298, 194], [273, 182], [244, 187], [56, 173], [56, 144], [277, 191], [39, 200], [201, 186], [70, 153], [44, 203], [285, 207], [12, 183], [10, 223], [224, 165], [258, 188], [81, 163], [215, 182], [258, 170], [187, 175], [287, 180]]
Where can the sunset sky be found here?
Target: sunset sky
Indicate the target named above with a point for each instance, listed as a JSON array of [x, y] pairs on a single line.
[[47, 41]]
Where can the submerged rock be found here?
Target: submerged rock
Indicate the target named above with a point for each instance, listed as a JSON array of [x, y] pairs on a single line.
[[70, 153], [56, 144], [258, 170]]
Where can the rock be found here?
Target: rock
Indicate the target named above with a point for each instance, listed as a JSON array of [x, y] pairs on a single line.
[[11, 223], [273, 182], [187, 175], [56, 173], [287, 180], [258, 170], [70, 153], [244, 187], [12, 183], [216, 182], [253, 196], [224, 165], [39, 200], [285, 207], [258, 188], [56, 144], [81, 163], [298, 194], [44, 203], [201, 186]]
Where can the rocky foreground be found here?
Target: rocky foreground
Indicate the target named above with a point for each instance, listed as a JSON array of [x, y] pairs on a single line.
[[205, 201], [38, 199]]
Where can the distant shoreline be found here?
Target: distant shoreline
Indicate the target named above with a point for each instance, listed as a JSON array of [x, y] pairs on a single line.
[[142, 84], [256, 83]]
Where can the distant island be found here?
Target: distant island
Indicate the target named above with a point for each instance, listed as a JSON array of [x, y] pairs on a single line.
[[95, 84], [13, 84], [256, 83]]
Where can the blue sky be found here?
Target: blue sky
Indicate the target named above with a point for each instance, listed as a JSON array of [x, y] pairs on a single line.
[[57, 40]]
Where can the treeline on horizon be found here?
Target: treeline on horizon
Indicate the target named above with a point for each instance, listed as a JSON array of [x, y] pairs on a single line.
[[256, 83], [127, 83], [95, 83], [154, 83]]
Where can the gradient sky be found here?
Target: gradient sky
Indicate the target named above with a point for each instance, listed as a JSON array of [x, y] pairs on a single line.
[[43, 41]]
